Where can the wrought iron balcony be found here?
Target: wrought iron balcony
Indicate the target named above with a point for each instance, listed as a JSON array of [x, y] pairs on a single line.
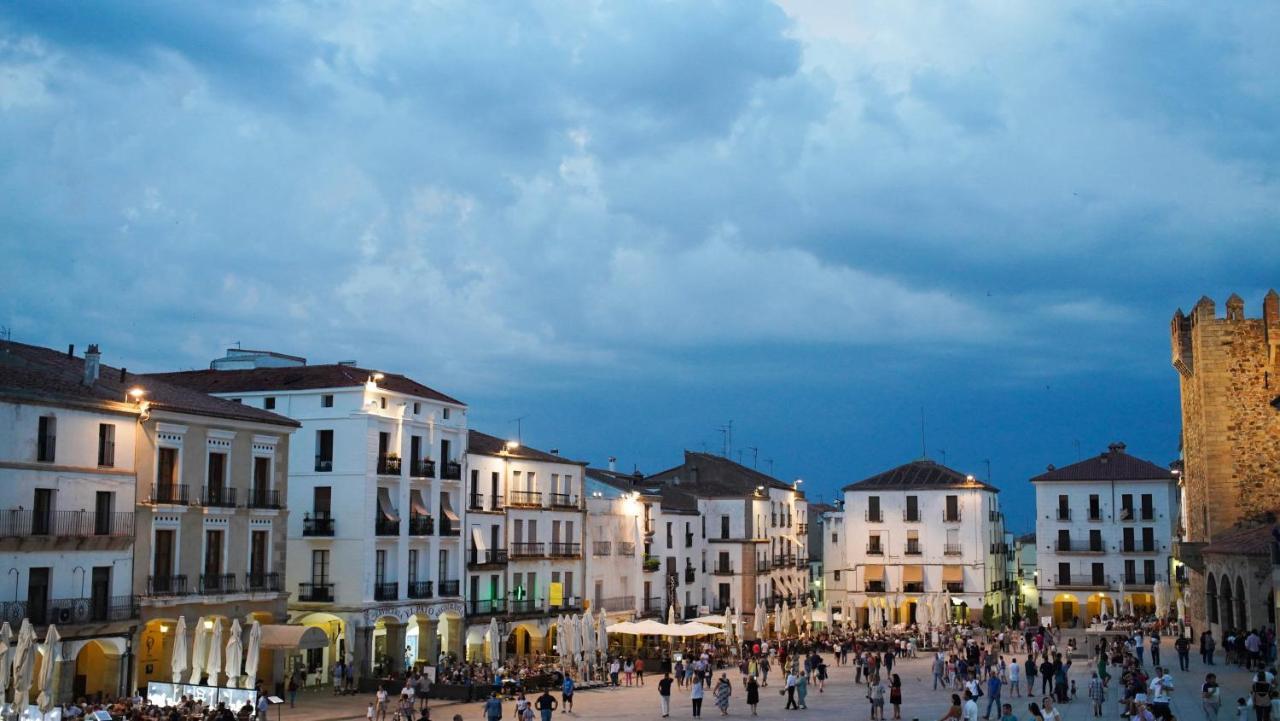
[[563, 500], [1064, 514], [421, 525], [617, 603], [175, 494], [217, 583], [324, 465], [626, 548], [525, 499], [1080, 546], [913, 548], [876, 516], [487, 557], [475, 502], [258, 582], [1081, 581], [317, 525], [689, 574], [386, 591], [449, 528], [951, 549], [264, 498], [167, 585], [652, 606], [386, 526], [73, 611], [422, 468], [218, 496], [528, 550], [1135, 547], [951, 517], [421, 589], [910, 516], [525, 607], [875, 549], [450, 588], [490, 607], [954, 586], [763, 565], [388, 465], [601, 548], [566, 550], [315, 592], [452, 471], [722, 569], [16, 523]]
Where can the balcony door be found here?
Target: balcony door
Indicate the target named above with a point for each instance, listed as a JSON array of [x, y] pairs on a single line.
[[213, 559], [258, 550], [104, 504], [42, 512], [38, 595], [261, 480], [162, 561], [100, 592]]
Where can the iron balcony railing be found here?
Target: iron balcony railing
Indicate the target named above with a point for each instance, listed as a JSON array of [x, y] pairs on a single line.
[[167, 585], [875, 586], [16, 523], [951, 549], [388, 465], [802, 562], [1081, 581], [449, 528], [949, 517], [954, 586], [1142, 579], [563, 500], [487, 557], [528, 549], [72, 611], [259, 582], [875, 549], [1094, 514], [601, 548], [450, 588], [317, 525], [218, 496], [386, 591], [525, 606], [475, 502], [1064, 514], [626, 548], [315, 592], [422, 468], [264, 498], [689, 574], [1080, 546], [910, 516], [217, 583], [323, 465], [525, 498], [913, 587], [386, 526], [452, 471], [566, 550], [420, 525], [1137, 547], [652, 605], [617, 603], [171, 493], [913, 548], [421, 589], [722, 569], [490, 607], [873, 516], [762, 565]]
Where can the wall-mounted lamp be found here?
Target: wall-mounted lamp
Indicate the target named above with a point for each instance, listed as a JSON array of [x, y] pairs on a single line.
[[135, 394], [378, 376], [510, 446]]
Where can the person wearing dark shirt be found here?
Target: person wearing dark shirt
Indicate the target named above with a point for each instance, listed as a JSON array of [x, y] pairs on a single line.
[[546, 705], [664, 694]]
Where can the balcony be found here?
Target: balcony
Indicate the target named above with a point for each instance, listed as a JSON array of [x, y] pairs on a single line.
[[763, 565], [491, 607], [317, 525], [262, 582], [324, 465], [954, 586], [871, 516], [802, 528], [16, 523], [568, 603], [217, 583], [1063, 514], [802, 562], [1146, 514], [912, 548], [875, 549], [652, 563], [601, 548], [422, 468], [452, 471], [1142, 579], [951, 549], [563, 500], [386, 526], [626, 548], [73, 611], [386, 591], [689, 574], [566, 550], [315, 592], [170, 494], [421, 589], [449, 528], [475, 502], [652, 606], [722, 569], [1060, 581], [388, 465], [525, 607], [912, 587], [218, 497], [1080, 547], [421, 525], [265, 498], [488, 557], [910, 516], [528, 550], [875, 587], [616, 604], [1093, 514], [951, 516], [167, 585], [525, 499], [1139, 548]]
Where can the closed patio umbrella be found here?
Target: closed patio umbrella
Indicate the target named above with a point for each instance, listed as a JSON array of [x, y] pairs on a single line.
[[494, 640], [23, 664], [178, 657], [199, 649], [602, 630], [6, 657], [52, 649], [777, 619], [757, 623], [235, 654], [214, 665], [255, 650]]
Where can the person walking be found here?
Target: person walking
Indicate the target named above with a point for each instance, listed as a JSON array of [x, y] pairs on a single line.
[[802, 689], [1183, 647], [1015, 678], [790, 690], [1097, 694], [721, 692], [293, 689], [939, 665], [753, 693], [566, 695], [493, 708], [546, 705], [1210, 697], [664, 694], [380, 704], [1031, 676], [1159, 687], [1261, 691], [878, 691], [970, 712], [1155, 647], [895, 695], [695, 695], [1206, 648], [993, 695], [822, 674], [639, 666]]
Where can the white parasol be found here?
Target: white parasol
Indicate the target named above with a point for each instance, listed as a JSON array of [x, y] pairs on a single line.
[[728, 621], [235, 654], [1161, 592], [1182, 609], [777, 619], [492, 634], [52, 649], [23, 664], [602, 630], [1123, 604], [6, 657], [199, 649], [737, 625], [671, 615], [757, 623], [214, 665], [178, 656], [251, 659]]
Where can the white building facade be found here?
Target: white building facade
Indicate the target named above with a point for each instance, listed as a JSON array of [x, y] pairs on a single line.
[[922, 528], [1103, 523]]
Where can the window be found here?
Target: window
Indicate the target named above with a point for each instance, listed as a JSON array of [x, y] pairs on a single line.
[[258, 555], [1064, 512], [42, 513], [835, 537], [319, 567], [324, 451], [413, 566], [417, 408], [835, 575], [445, 414], [46, 440], [1095, 540], [1148, 512], [167, 468], [1128, 540], [321, 501], [380, 567], [1099, 577], [1126, 507], [873, 509], [724, 526], [326, 400], [1064, 574], [1095, 508], [1148, 539], [952, 512], [873, 545], [913, 508], [217, 476], [212, 557], [382, 402], [106, 445], [669, 543], [269, 403]]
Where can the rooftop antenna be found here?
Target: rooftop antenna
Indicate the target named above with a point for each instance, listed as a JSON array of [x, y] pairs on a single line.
[[519, 427], [988, 462], [924, 449], [5, 332], [755, 455]]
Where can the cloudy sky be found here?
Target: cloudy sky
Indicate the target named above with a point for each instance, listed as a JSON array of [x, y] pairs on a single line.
[[629, 223]]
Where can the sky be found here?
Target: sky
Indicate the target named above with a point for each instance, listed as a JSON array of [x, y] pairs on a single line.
[[628, 224]]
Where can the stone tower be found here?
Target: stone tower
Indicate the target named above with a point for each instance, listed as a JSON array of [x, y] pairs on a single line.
[[1229, 377]]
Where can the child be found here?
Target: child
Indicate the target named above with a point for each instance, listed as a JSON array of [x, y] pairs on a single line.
[[1073, 689], [1242, 710]]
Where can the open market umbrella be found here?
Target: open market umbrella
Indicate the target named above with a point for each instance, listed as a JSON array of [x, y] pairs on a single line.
[[6, 658], [23, 664], [199, 648], [251, 659], [52, 649], [235, 654], [214, 665], [178, 656]]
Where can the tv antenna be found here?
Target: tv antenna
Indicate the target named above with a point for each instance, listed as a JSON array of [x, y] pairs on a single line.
[[519, 427]]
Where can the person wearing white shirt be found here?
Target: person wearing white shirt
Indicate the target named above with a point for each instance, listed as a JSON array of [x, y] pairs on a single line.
[[970, 710]]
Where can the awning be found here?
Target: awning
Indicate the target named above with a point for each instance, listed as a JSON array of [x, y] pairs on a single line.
[[912, 574], [415, 503], [873, 572], [384, 505], [293, 637], [446, 508], [953, 574]]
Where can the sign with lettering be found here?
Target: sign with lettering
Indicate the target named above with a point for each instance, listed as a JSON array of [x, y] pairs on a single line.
[[432, 611], [555, 594]]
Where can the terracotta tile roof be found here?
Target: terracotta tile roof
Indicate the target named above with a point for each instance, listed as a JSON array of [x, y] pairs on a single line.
[[1113, 465], [923, 474], [706, 475], [622, 481], [35, 373], [1245, 541], [295, 378], [487, 445]]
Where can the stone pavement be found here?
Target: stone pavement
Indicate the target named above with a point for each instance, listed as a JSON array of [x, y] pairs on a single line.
[[842, 699]]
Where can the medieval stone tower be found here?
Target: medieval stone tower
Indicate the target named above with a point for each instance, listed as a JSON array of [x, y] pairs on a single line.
[[1229, 376]]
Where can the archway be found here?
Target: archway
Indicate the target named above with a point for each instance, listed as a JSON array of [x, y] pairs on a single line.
[[450, 630], [318, 663], [1227, 608], [1095, 605], [1143, 603], [523, 640], [155, 647], [1211, 598], [1065, 609], [388, 644], [97, 669], [1242, 605]]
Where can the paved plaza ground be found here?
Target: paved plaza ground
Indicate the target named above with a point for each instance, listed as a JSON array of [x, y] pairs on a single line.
[[842, 699]]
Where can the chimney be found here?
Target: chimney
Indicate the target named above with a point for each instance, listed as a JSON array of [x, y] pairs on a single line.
[[1116, 447], [613, 464], [92, 359], [71, 350]]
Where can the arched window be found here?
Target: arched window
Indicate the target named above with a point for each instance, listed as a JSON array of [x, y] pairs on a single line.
[[1211, 599], [1227, 607]]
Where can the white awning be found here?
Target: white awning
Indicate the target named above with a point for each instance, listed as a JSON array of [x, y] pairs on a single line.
[[415, 503], [446, 508], [385, 508], [290, 637]]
